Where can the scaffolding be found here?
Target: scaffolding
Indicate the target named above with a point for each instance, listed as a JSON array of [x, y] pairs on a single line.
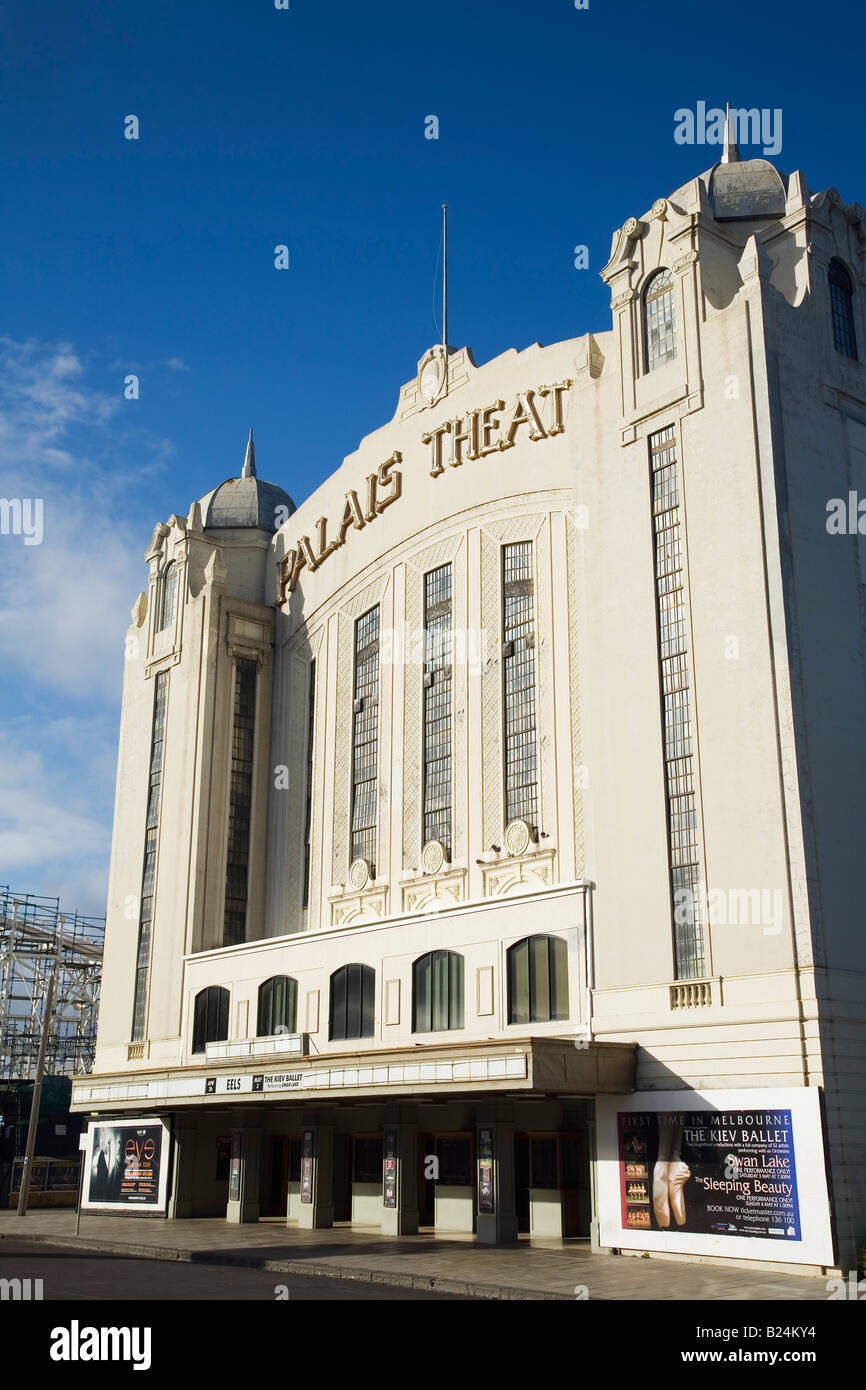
[[35, 938]]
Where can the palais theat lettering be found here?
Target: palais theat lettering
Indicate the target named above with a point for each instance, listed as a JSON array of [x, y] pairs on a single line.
[[487, 430]]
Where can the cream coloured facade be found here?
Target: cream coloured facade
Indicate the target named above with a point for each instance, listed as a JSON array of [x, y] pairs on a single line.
[[526, 756]]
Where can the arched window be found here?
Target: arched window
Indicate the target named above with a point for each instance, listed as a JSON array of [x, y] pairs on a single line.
[[278, 1006], [353, 996], [169, 596], [538, 980], [437, 992], [210, 1017], [842, 306], [660, 329]]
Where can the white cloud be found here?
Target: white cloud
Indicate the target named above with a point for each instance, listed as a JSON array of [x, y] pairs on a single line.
[[64, 604], [64, 610], [56, 791]]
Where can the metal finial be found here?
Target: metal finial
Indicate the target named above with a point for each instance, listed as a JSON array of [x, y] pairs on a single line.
[[731, 151], [249, 468]]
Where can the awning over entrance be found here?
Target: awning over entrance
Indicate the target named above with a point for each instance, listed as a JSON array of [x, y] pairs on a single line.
[[539, 1066]]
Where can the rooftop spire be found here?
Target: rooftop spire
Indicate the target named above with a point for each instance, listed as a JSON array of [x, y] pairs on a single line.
[[731, 152], [249, 468]]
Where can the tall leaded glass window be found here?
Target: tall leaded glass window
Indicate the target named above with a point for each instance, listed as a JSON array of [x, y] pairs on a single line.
[[308, 814], [168, 596], [365, 739], [518, 663], [437, 992], [148, 877], [438, 655], [659, 321], [538, 980], [842, 307], [210, 1017], [278, 1006], [353, 1002], [240, 803], [685, 860]]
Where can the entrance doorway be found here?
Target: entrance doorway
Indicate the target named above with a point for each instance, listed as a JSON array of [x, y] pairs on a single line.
[[367, 1177], [446, 1198], [550, 1184], [342, 1177], [275, 1188], [282, 1168]]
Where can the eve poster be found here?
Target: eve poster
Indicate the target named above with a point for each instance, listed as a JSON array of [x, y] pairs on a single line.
[[126, 1166]]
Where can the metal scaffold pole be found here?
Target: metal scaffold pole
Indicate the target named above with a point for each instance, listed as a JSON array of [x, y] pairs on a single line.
[[47, 1018]]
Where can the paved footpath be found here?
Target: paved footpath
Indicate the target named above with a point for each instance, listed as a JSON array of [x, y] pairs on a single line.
[[540, 1270]]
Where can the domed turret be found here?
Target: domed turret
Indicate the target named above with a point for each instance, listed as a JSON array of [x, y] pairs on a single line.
[[247, 500], [742, 190]]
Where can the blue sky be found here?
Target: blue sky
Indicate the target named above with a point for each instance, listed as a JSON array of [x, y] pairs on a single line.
[[303, 127]]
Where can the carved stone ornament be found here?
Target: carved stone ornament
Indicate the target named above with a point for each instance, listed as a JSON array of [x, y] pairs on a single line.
[[660, 207], [432, 857], [625, 298], [633, 228], [359, 874], [685, 261], [431, 376], [139, 610], [517, 837]]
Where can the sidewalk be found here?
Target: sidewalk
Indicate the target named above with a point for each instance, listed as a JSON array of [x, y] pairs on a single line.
[[541, 1270]]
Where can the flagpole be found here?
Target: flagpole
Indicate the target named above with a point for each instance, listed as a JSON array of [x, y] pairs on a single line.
[[445, 287]]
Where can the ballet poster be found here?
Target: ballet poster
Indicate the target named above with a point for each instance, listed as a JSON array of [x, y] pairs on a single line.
[[727, 1172]]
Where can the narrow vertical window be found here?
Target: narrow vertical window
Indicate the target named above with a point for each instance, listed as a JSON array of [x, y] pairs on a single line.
[[538, 980], [148, 877], [437, 992], [438, 648], [240, 804], [168, 596], [353, 1002], [685, 865], [518, 663], [660, 327], [210, 1017], [278, 1006], [308, 815], [842, 308], [365, 739]]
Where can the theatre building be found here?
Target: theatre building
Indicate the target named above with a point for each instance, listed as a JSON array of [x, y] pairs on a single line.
[[489, 838]]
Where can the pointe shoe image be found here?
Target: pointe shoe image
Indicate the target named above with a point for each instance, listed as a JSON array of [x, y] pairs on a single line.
[[678, 1174], [661, 1200]]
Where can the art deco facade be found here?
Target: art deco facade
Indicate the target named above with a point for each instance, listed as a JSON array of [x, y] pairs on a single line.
[[520, 769]]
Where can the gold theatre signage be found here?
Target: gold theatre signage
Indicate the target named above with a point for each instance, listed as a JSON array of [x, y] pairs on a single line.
[[487, 430], [305, 556]]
